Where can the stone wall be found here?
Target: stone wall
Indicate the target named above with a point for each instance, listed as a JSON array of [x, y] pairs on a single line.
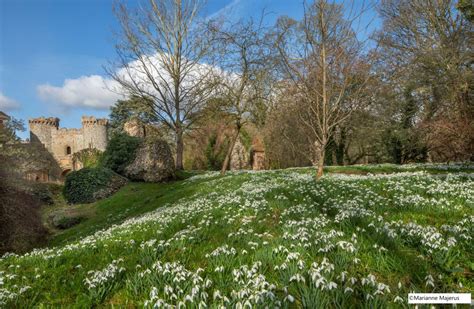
[[239, 158], [34, 162], [134, 128], [258, 161], [253, 158], [65, 142]]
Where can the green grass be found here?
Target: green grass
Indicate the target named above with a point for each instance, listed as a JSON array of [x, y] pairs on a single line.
[[275, 238], [133, 200], [387, 168]]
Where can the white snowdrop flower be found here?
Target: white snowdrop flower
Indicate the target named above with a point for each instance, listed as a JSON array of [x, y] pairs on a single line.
[[320, 282], [217, 295], [168, 290], [298, 278], [343, 276], [429, 281], [300, 264], [398, 299], [399, 285], [153, 293], [348, 290]]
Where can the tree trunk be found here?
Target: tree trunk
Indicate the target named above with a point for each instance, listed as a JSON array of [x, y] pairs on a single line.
[[179, 149], [229, 152], [321, 162], [324, 125]]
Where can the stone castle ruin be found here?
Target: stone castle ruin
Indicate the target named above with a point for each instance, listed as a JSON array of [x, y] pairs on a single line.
[[62, 143], [243, 158]]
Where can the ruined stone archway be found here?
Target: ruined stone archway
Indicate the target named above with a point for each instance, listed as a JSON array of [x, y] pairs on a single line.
[[65, 172]]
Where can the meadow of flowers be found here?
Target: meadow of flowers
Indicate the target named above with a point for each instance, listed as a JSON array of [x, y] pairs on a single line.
[[266, 239]]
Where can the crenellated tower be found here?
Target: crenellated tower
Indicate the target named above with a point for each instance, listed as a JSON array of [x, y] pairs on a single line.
[[41, 130], [94, 132]]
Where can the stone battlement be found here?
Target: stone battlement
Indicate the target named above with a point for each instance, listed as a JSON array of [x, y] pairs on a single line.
[[91, 120], [50, 121]]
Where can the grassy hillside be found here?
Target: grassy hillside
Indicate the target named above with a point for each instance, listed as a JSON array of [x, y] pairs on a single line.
[[275, 238]]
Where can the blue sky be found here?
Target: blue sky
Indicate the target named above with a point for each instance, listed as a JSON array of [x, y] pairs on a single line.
[[52, 53]]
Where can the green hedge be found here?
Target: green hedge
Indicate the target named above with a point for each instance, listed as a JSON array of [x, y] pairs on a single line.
[[120, 152], [81, 185]]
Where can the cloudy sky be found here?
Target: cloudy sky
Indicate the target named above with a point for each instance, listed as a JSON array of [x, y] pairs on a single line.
[[52, 53]]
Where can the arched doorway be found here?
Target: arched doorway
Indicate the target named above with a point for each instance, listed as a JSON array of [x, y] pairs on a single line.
[[64, 173], [68, 150]]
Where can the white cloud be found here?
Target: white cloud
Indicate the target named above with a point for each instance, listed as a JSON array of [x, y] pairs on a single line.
[[97, 92], [92, 91], [7, 104]]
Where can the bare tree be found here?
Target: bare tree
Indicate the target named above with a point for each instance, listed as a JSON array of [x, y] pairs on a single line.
[[242, 60], [163, 54], [322, 62]]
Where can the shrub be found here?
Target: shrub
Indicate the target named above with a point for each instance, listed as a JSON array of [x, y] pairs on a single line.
[[64, 223], [120, 152], [89, 157], [45, 192], [89, 184]]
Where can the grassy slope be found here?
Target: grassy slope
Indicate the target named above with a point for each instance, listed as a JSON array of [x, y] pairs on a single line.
[[267, 211], [139, 198], [135, 199]]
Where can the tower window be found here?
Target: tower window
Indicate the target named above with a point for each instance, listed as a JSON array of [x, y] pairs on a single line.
[[68, 150]]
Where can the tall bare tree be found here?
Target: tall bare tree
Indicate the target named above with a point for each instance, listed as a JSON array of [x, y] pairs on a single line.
[[243, 54], [164, 54], [322, 63]]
